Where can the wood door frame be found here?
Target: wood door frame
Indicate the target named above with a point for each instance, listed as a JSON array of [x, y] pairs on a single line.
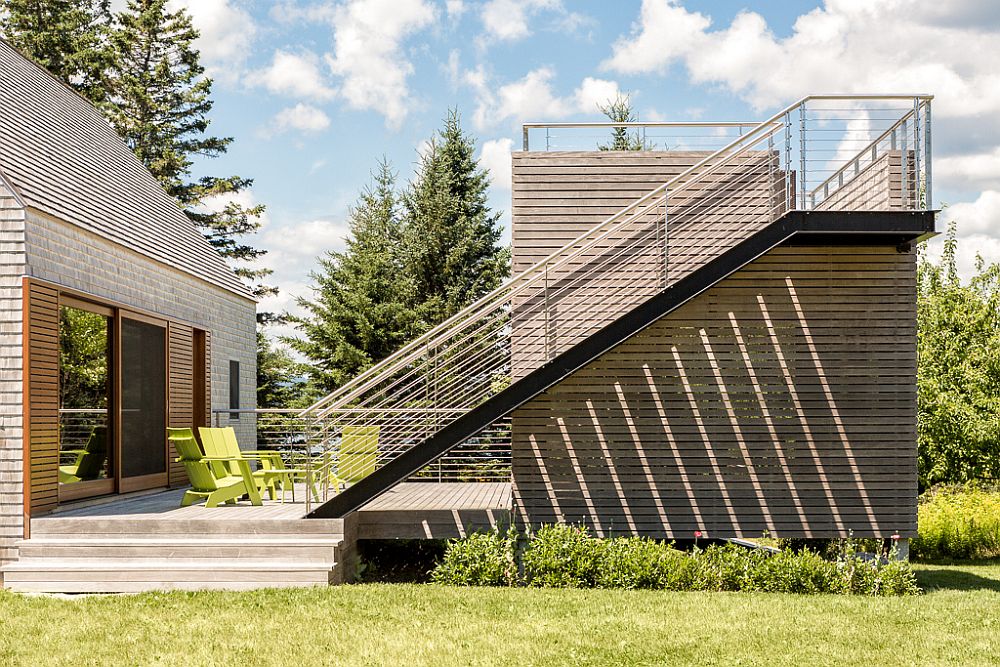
[[106, 486], [116, 310]]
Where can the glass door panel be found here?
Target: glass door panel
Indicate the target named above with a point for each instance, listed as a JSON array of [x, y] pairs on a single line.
[[143, 403], [85, 354]]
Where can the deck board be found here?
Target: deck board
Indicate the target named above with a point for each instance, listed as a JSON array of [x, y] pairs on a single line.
[[411, 510]]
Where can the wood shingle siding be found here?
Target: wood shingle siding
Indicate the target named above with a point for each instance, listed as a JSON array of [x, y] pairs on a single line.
[[65, 160], [782, 400]]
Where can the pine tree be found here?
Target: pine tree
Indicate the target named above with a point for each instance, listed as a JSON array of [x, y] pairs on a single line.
[[452, 237], [359, 314], [277, 376], [158, 99], [66, 37], [619, 110]]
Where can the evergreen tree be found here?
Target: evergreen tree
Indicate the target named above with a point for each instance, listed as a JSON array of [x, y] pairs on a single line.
[[452, 237], [619, 110], [359, 314], [158, 99], [66, 37], [277, 374]]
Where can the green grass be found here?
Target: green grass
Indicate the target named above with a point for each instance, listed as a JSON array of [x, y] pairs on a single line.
[[956, 622]]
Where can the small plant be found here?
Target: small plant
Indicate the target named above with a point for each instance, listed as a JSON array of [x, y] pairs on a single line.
[[958, 522], [481, 559]]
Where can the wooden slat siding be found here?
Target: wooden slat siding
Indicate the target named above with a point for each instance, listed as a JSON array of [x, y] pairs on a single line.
[[557, 197], [41, 335], [180, 392], [878, 187], [859, 304]]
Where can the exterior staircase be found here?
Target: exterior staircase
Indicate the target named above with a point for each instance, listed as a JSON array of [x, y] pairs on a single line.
[[121, 554]]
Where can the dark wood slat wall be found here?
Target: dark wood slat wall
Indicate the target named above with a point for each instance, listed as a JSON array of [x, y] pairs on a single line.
[[180, 391], [783, 399], [42, 421]]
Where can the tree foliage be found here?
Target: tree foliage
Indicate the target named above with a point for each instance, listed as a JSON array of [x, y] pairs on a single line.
[[451, 237], [619, 110], [69, 38], [360, 312], [958, 379]]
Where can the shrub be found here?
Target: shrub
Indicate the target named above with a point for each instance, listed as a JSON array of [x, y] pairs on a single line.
[[481, 559], [569, 557], [563, 556], [958, 522]]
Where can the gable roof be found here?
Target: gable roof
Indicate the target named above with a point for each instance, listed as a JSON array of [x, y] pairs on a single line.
[[65, 159]]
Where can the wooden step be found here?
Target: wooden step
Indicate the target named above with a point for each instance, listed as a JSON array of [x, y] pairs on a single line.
[[122, 525], [82, 575], [288, 547]]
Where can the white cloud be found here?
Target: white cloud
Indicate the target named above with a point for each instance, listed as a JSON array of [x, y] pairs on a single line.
[[968, 172], [511, 20], [495, 156], [455, 8], [368, 53], [532, 97], [297, 75], [227, 33], [843, 46], [981, 216], [302, 117]]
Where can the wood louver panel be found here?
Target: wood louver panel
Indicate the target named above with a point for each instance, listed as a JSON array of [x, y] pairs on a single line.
[[41, 336], [781, 400], [180, 391]]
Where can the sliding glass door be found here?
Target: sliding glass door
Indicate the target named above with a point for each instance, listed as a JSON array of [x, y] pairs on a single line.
[[143, 416]]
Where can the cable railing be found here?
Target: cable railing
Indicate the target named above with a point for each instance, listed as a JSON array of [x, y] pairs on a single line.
[[823, 152]]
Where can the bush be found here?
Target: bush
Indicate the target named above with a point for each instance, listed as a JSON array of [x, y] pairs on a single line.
[[958, 522], [481, 559], [569, 557]]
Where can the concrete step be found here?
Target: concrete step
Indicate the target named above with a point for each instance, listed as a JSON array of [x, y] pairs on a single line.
[[319, 549], [85, 575]]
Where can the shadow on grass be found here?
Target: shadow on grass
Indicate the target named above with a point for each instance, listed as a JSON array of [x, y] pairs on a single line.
[[956, 579]]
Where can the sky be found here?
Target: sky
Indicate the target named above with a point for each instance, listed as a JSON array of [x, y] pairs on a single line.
[[315, 93]]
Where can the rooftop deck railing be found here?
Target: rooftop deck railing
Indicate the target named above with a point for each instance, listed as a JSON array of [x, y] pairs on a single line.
[[824, 152]]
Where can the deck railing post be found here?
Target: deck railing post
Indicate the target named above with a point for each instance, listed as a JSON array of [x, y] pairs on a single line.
[[788, 163], [928, 200], [524, 137], [904, 164], [802, 155], [548, 324], [666, 239], [916, 152]]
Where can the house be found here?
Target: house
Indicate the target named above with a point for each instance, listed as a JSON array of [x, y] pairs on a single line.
[[117, 318]]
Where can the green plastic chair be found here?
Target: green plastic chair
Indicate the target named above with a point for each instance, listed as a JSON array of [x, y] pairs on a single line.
[[205, 483], [89, 460], [273, 475], [355, 458]]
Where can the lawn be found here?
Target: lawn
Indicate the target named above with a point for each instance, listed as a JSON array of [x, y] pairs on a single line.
[[956, 622]]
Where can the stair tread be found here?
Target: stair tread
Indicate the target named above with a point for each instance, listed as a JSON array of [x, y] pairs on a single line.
[[90, 564], [252, 540]]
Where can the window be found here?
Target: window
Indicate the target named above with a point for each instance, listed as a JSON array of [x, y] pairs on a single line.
[[234, 388]]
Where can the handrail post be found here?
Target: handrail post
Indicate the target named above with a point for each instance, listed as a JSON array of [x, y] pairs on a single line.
[[916, 153], [524, 137], [904, 164], [928, 200], [788, 163], [802, 155], [666, 238], [548, 354]]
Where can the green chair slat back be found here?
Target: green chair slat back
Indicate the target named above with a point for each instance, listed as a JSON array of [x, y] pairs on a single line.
[[91, 463], [358, 453], [215, 446], [189, 454]]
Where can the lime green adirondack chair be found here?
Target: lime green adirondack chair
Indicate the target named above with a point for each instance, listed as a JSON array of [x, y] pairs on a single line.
[[205, 483], [355, 458], [89, 461], [273, 474]]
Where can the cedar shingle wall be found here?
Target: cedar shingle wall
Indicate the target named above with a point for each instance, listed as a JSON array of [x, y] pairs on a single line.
[[11, 379], [782, 399]]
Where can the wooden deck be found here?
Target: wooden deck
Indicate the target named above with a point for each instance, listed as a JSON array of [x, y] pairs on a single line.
[[414, 510]]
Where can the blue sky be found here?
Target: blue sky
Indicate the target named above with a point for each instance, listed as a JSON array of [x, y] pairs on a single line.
[[315, 92]]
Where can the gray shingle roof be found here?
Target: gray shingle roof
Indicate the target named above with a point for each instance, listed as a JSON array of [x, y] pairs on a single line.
[[64, 159]]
